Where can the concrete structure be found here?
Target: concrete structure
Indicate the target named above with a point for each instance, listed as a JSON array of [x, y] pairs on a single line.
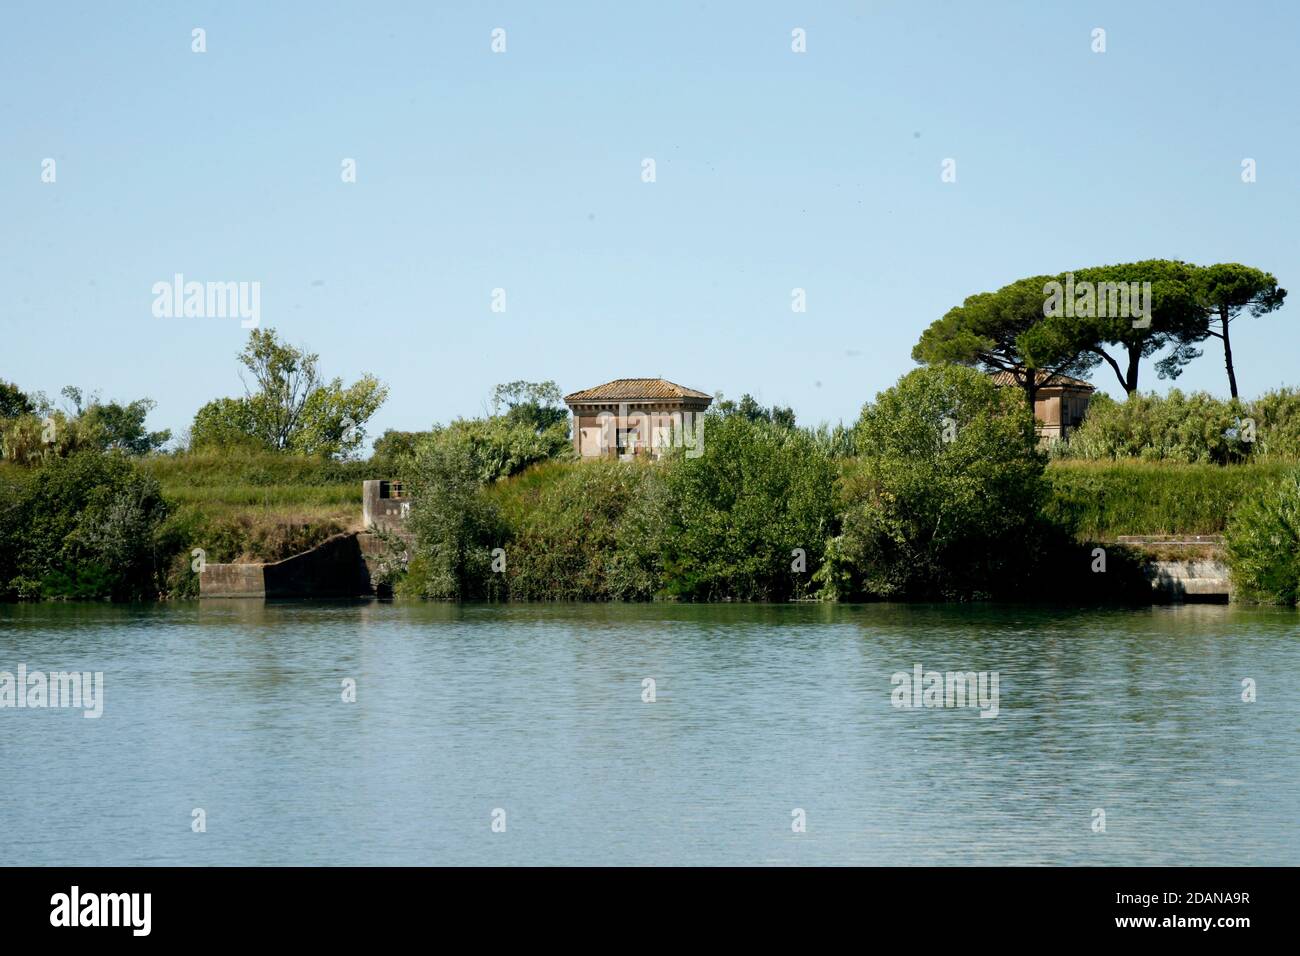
[[1059, 403], [629, 417], [334, 568], [1186, 581], [384, 505], [1184, 567]]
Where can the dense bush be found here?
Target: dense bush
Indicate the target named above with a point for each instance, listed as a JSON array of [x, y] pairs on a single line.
[[456, 524], [581, 533], [86, 526], [495, 448], [31, 439], [1263, 544], [394, 451], [724, 525], [1277, 424], [1190, 428], [946, 496], [747, 519], [32, 432]]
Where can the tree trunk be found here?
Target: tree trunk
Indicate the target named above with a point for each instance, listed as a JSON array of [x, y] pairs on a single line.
[[1031, 389], [1227, 351], [1134, 357]]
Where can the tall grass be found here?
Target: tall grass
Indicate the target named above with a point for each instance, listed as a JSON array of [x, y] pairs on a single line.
[[1105, 499], [262, 486]]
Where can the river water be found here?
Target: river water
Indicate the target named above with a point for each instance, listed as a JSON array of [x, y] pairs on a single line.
[[521, 734]]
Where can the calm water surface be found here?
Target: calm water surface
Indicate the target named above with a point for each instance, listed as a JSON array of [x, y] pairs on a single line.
[[235, 707]]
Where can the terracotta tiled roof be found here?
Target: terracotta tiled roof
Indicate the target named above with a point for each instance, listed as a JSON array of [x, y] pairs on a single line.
[[1008, 378], [634, 389]]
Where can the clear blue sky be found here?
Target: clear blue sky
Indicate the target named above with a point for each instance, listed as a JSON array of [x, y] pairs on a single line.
[[523, 171]]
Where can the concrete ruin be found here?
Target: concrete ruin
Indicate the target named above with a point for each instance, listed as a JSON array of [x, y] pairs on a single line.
[[351, 564]]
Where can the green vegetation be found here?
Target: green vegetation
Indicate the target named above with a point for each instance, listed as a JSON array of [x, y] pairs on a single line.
[[87, 526], [940, 490], [90, 509], [1188, 428], [289, 407], [1263, 544], [578, 531], [1227, 289], [32, 430], [1184, 428], [946, 499], [247, 505], [748, 519], [1104, 499], [1068, 324]]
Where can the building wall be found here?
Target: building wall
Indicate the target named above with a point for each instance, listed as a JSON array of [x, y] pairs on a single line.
[[1059, 410], [598, 431], [384, 505]]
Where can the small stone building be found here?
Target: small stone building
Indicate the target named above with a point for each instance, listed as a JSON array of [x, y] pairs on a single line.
[[1059, 405], [384, 505], [634, 416]]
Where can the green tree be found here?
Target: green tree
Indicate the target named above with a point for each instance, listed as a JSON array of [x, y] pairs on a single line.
[[122, 427], [84, 526], [538, 404], [946, 501], [13, 402], [1225, 290], [1002, 331], [288, 406], [1177, 320], [750, 410]]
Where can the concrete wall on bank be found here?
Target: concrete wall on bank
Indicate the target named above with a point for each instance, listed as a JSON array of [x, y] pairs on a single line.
[[1184, 567], [232, 580], [1199, 580], [334, 568]]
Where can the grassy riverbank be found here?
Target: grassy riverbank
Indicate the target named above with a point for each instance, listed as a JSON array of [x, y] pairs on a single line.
[[1105, 499], [588, 525], [1102, 499]]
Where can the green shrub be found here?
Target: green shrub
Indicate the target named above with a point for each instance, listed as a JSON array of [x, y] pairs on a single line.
[[456, 525], [944, 501], [1277, 424], [1190, 428], [495, 448], [748, 518], [578, 537], [394, 451], [31, 439], [85, 526], [1263, 544]]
